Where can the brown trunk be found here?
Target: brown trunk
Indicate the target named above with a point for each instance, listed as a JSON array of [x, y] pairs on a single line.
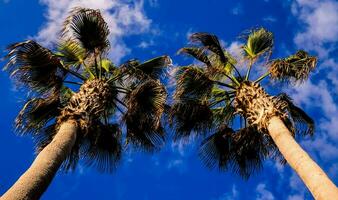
[[321, 187], [33, 183]]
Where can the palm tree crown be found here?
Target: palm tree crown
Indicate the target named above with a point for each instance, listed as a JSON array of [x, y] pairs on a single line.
[[215, 97], [77, 81]]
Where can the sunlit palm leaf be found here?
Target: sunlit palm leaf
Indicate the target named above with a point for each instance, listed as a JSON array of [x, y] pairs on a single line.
[[103, 149], [215, 151], [34, 66], [294, 68], [258, 42], [145, 106], [210, 42], [71, 52], [88, 27]]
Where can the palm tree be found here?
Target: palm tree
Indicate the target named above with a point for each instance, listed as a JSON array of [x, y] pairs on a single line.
[[216, 97], [77, 96]]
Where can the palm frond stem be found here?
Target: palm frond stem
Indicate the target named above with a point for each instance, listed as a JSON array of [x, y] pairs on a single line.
[[224, 84], [73, 82], [262, 77]]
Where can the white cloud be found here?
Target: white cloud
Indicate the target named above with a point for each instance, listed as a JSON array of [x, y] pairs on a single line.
[[123, 19], [269, 19], [145, 44], [230, 196], [320, 19], [263, 193]]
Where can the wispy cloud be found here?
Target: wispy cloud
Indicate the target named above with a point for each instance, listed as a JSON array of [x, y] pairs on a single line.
[[320, 19], [237, 10], [270, 19], [123, 19], [232, 195], [263, 193]]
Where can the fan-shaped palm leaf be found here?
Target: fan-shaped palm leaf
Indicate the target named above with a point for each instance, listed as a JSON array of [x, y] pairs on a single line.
[[198, 53], [71, 52], [215, 151], [149, 69], [258, 42], [37, 112], [210, 42], [294, 68], [145, 106], [190, 115], [34, 66], [88, 27], [103, 148], [192, 83]]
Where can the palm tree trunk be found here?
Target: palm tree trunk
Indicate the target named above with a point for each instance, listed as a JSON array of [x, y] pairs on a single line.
[[33, 183], [321, 187]]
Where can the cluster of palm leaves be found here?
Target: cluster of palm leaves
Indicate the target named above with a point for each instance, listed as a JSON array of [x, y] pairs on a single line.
[[205, 93], [204, 96], [53, 77]]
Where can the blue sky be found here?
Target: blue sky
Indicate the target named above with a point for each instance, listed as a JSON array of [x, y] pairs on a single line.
[[148, 28]]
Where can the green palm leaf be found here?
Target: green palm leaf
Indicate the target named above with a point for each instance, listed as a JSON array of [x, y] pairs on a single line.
[[258, 42], [71, 52]]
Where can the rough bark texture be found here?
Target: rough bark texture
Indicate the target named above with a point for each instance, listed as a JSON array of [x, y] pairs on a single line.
[[256, 105], [84, 106], [87, 104], [267, 113], [36, 179], [321, 187]]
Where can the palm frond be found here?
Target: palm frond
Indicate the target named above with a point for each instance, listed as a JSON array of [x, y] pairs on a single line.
[[303, 124], [192, 83], [153, 68], [210, 42], [224, 114], [249, 151], [145, 106], [103, 149], [37, 112], [88, 27], [215, 151], [71, 52], [259, 41], [219, 69], [198, 53], [190, 116], [295, 68], [34, 66]]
